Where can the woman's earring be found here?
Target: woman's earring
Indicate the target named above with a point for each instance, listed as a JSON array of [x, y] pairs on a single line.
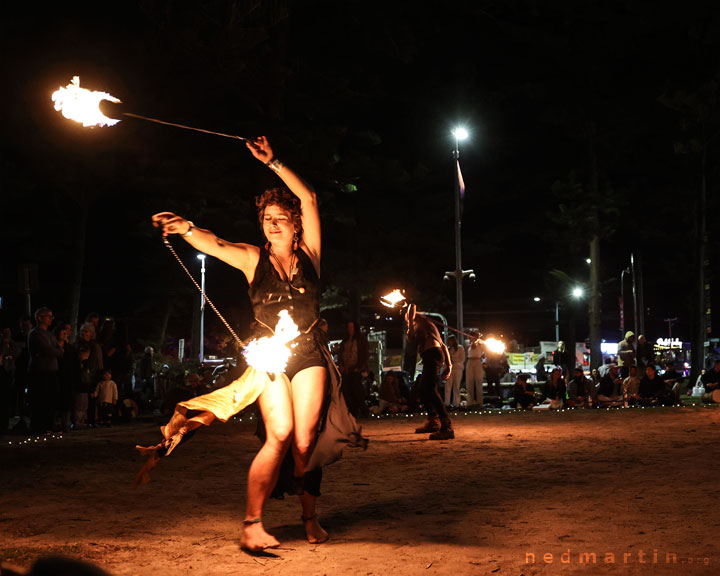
[[295, 241]]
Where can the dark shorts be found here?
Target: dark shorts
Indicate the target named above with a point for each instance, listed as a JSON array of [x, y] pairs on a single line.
[[305, 354]]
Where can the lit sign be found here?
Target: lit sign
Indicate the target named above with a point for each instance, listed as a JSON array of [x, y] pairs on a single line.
[[669, 342], [608, 348]]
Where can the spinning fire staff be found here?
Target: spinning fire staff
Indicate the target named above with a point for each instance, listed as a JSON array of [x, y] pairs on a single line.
[[306, 421], [82, 105]]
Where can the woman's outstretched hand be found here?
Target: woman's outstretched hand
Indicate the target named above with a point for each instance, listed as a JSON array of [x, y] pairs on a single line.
[[171, 223], [261, 149]]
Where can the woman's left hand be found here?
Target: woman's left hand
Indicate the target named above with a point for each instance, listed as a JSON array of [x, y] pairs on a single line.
[[261, 149]]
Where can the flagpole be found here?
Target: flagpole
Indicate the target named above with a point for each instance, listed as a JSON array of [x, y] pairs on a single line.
[[458, 240], [458, 273]]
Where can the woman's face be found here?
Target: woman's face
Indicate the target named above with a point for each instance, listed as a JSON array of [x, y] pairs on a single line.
[[86, 334], [278, 226]]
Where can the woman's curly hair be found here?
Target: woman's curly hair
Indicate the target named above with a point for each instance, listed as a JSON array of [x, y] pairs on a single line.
[[286, 200]]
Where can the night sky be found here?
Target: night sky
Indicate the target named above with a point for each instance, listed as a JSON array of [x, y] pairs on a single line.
[[361, 97]]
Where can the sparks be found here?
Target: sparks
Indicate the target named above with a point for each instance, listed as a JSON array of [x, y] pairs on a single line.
[[271, 353], [83, 105], [393, 299]]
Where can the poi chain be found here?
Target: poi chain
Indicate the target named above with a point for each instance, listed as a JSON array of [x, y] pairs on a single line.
[[182, 264]]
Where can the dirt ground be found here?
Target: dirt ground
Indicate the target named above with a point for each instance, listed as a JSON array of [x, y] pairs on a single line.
[[514, 493]]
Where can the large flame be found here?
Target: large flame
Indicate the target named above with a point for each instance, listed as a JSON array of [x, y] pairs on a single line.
[[393, 299], [494, 345], [271, 353], [82, 105]]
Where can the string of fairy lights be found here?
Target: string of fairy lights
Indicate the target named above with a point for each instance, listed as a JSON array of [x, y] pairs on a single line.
[[53, 438]]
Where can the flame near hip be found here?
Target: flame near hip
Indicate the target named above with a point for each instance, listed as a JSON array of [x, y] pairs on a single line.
[[271, 353]]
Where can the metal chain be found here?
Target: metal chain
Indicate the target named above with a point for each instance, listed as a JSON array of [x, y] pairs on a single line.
[[170, 247]]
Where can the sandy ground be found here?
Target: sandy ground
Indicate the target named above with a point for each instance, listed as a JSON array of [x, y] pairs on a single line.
[[630, 486]]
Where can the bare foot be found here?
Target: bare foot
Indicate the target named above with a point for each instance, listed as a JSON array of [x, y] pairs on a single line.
[[314, 532], [255, 539]]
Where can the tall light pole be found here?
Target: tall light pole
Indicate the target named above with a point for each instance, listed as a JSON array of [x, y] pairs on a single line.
[[202, 257], [460, 134]]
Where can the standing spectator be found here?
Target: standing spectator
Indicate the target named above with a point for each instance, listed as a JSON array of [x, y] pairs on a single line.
[[90, 362], [20, 381], [540, 373], [626, 354], [562, 358], [8, 353], [579, 388], [106, 394], [457, 355], [43, 371], [68, 376], [147, 375], [645, 352], [475, 370], [353, 357]]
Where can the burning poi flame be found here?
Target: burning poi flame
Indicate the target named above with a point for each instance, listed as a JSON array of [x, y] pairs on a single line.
[[494, 345], [271, 353], [393, 299], [83, 105]]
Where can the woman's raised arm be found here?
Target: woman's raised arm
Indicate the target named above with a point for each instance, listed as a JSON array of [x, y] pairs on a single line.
[[261, 149]]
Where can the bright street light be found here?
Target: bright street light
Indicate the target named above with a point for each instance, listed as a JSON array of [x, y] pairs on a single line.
[[536, 299], [578, 292], [460, 133]]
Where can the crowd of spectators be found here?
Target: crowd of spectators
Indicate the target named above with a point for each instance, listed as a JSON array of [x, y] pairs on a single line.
[[52, 382]]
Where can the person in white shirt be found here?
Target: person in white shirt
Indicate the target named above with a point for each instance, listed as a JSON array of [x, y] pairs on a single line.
[[457, 355], [475, 372], [106, 393]]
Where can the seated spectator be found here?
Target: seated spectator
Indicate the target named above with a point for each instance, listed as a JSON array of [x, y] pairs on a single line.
[[523, 393], [652, 391], [390, 397], [630, 387], [579, 388], [608, 391], [605, 368], [673, 380], [711, 378], [554, 390]]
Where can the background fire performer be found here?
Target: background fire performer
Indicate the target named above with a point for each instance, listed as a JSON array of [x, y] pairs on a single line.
[[308, 415], [434, 355]]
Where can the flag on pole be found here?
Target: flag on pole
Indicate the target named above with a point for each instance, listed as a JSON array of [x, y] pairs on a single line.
[[461, 182]]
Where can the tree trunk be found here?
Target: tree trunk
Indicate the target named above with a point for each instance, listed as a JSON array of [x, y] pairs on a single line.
[[699, 323], [79, 263], [594, 311]]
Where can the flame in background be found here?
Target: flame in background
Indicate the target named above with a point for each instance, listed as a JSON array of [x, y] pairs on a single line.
[[271, 353], [391, 300], [494, 345], [83, 105]]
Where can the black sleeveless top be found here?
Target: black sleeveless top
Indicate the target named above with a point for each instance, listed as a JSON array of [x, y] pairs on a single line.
[[269, 294]]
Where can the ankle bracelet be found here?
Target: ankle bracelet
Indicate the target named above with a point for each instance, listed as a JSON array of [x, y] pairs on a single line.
[[252, 521]]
